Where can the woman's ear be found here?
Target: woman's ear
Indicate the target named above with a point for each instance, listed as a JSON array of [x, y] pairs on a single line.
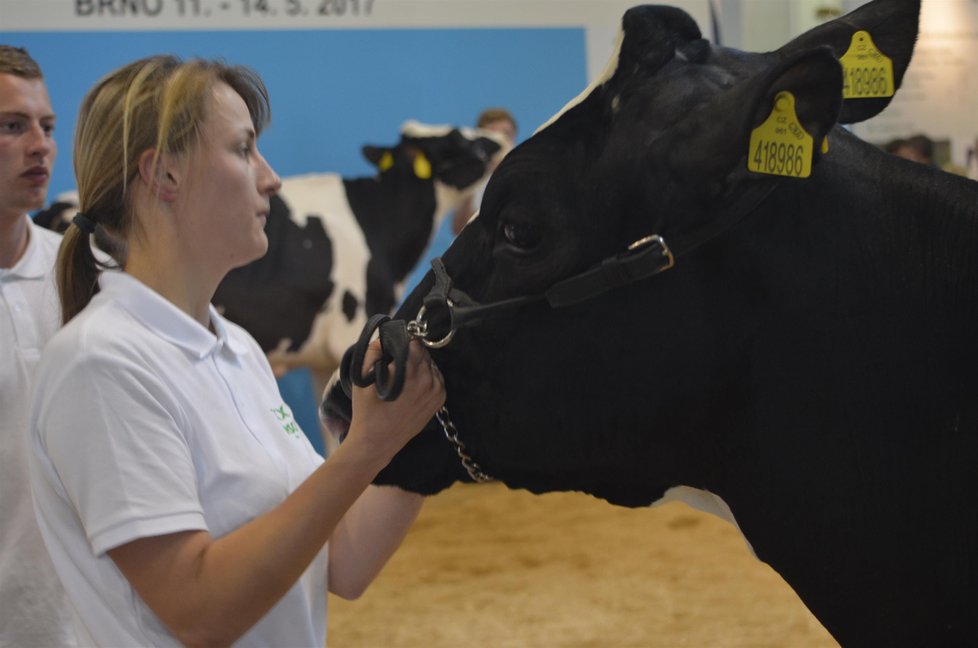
[[159, 174]]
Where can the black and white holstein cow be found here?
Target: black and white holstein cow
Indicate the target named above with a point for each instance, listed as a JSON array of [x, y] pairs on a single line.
[[340, 248], [797, 353]]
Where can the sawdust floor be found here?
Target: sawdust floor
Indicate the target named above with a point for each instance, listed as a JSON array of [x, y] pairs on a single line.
[[489, 567]]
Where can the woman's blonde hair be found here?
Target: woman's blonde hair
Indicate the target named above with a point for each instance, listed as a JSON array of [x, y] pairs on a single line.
[[156, 103]]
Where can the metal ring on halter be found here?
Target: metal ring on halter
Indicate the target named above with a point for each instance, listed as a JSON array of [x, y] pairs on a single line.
[[423, 326]]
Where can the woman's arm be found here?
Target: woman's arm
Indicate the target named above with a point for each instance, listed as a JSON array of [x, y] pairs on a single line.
[[211, 591], [367, 537]]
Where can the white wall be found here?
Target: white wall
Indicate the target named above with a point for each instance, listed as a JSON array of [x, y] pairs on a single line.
[[763, 25]]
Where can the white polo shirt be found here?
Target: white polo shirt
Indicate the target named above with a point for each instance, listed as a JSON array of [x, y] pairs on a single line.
[[146, 423], [33, 608]]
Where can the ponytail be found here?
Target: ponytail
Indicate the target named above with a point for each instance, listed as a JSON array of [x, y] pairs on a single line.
[[77, 273]]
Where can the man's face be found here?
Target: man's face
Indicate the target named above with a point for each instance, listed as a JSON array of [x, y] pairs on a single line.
[[27, 147], [503, 126]]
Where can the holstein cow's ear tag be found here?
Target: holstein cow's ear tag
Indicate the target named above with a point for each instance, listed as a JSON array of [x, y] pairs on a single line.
[[422, 167], [386, 161], [781, 146], [867, 72]]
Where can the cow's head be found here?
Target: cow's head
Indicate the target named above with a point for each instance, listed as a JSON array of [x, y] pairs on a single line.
[[545, 398], [455, 159]]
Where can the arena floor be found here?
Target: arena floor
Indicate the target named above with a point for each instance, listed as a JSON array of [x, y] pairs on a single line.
[[489, 567]]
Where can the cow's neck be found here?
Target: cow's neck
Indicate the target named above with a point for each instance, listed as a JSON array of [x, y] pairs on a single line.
[[397, 217], [898, 236], [851, 338]]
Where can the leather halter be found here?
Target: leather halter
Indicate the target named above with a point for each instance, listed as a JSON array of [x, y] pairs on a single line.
[[644, 258]]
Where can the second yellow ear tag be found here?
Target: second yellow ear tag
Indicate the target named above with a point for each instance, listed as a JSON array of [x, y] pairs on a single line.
[[780, 146], [386, 161], [867, 72], [422, 167]]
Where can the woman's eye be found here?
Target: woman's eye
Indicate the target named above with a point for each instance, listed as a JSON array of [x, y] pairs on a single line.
[[521, 235]]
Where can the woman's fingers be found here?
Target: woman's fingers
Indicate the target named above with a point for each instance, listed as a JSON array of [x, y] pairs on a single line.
[[422, 374], [372, 355]]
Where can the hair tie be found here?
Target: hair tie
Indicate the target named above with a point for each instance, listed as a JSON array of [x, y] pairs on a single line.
[[84, 223]]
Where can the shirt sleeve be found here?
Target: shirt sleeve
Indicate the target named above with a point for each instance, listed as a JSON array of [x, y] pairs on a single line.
[[112, 433]]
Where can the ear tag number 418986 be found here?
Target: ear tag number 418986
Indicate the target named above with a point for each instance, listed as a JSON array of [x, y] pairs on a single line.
[[781, 146], [867, 72]]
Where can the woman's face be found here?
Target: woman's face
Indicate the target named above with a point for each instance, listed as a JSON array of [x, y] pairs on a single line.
[[227, 188]]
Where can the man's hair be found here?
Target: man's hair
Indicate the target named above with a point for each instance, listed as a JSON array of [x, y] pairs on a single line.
[[490, 115], [16, 61], [922, 144]]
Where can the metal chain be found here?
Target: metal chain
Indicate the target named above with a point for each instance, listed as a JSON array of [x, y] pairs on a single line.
[[418, 328], [451, 433]]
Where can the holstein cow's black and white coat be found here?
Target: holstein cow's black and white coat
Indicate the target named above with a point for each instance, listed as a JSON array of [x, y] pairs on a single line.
[[807, 369], [340, 248]]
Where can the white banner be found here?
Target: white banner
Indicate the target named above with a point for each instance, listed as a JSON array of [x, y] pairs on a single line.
[[133, 15]]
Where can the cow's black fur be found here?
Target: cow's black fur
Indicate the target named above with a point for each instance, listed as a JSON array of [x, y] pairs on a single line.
[[816, 365]]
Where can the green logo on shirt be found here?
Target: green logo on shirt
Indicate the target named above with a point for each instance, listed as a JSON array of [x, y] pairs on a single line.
[[284, 416]]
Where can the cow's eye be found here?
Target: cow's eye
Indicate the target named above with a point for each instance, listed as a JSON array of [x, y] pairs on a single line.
[[523, 236]]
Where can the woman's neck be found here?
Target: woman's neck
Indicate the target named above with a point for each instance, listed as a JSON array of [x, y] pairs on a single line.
[[175, 279]]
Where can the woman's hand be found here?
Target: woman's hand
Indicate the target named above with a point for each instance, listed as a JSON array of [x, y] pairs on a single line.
[[387, 426]]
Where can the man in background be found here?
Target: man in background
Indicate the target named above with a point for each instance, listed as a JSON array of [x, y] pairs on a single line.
[[34, 611]]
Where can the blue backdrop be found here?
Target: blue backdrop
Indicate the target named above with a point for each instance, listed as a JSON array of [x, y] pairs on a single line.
[[334, 91]]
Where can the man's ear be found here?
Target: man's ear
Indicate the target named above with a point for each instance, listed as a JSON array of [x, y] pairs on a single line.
[[159, 174], [710, 145]]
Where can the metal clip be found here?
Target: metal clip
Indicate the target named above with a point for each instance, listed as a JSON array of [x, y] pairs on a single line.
[[419, 329], [663, 248]]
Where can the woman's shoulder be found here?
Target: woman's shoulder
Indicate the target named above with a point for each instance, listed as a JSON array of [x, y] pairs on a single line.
[[97, 334]]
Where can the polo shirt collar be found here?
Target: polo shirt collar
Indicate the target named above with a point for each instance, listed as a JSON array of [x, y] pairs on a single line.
[[32, 264], [169, 322]]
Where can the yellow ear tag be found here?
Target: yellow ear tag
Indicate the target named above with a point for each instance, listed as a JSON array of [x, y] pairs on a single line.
[[422, 167], [780, 146], [386, 161], [825, 145], [867, 72]]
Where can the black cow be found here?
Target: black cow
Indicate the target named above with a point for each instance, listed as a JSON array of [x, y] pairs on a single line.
[[340, 248], [800, 351]]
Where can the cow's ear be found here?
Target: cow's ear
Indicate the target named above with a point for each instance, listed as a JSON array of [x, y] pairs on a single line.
[[379, 156], [709, 147], [708, 150], [892, 26]]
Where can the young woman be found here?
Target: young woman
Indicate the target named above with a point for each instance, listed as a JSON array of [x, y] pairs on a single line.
[[179, 500]]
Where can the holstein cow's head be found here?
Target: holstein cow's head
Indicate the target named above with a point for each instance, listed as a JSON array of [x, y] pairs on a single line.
[[456, 156], [613, 395]]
